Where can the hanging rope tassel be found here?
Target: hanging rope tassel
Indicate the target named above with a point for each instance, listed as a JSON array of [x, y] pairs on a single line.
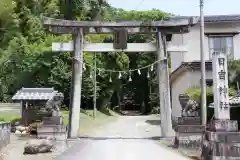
[[120, 75], [148, 75], [84, 66], [130, 78], [110, 78], [139, 72], [99, 72], [151, 68]]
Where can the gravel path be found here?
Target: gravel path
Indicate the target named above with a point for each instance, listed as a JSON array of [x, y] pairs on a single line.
[[130, 138]]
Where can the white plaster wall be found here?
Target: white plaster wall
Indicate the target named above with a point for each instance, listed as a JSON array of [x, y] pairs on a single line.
[[192, 42], [185, 81], [177, 57]]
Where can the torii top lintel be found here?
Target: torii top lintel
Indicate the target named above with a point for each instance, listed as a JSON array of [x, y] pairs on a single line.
[[170, 25]]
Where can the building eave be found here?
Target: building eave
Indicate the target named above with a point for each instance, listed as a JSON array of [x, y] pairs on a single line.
[[189, 66], [208, 19]]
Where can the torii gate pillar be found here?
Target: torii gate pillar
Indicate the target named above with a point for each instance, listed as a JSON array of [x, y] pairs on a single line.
[[76, 89], [164, 88]]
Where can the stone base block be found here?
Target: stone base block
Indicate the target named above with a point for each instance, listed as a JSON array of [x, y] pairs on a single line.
[[57, 132], [220, 149], [189, 128], [188, 141], [56, 114], [55, 120], [223, 137], [220, 158], [52, 136], [188, 120], [223, 125], [51, 128]]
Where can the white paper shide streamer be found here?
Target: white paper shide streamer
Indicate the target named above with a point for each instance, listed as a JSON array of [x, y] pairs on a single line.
[[119, 75], [151, 67], [139, 72], [130, 78]]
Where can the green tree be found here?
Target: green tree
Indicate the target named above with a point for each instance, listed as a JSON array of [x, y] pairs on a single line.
[[27, 60]]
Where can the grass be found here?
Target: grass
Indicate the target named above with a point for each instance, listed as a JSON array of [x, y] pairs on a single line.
[[9, 117], [88, 123]]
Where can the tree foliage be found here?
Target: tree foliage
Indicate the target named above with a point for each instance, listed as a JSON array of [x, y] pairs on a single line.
[[27, 60], [195, 93]]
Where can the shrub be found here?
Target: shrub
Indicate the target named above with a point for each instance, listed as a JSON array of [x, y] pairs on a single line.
[[195, 93]]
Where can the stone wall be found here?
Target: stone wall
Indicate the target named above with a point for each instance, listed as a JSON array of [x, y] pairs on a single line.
[[4, 134]]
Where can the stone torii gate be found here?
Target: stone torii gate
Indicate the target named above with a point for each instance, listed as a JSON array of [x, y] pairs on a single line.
[[121, 30]]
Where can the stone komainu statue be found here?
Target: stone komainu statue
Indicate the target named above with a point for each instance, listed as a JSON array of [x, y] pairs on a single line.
[[189, 106], [54, 103]]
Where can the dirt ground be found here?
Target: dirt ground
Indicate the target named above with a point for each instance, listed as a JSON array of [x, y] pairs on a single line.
[[133, 129], [154, 129], [14, 151], [128, 138]]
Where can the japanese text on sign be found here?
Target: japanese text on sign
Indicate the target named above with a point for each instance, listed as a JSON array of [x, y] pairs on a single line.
[[223, 90], [220, 86]]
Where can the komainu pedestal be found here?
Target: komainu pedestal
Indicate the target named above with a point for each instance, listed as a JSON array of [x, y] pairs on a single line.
[[188, 128], [188, 132], [52, 128], [221, 141]]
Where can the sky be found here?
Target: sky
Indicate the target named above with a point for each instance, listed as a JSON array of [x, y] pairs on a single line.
[[181, 7]]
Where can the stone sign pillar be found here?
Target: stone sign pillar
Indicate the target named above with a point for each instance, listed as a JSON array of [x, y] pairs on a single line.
[[220, 86], [222, 138]]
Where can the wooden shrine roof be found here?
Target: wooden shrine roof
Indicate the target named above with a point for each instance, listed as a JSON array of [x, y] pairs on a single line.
[[34, 94]]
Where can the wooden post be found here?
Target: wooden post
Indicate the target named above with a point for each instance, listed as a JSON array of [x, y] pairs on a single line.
[[21, 108], [164, 90], [75, 104], [95, 87], [26, 115], [203, 68]]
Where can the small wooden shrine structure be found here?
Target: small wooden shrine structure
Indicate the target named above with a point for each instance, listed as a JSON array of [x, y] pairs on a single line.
[[36, 103]]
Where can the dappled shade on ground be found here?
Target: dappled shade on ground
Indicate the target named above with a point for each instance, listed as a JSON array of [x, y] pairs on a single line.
[[154, 122]]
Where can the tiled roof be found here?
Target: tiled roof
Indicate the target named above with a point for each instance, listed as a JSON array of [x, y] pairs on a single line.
[[191, 66], [219, 18], [34, 94], [215, 18]]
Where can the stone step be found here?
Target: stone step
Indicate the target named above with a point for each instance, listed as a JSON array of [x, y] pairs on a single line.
[[220, 149], [188, 141], [189, 121], [51, 128], [223, 125], [190, 128], [224, 137]]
